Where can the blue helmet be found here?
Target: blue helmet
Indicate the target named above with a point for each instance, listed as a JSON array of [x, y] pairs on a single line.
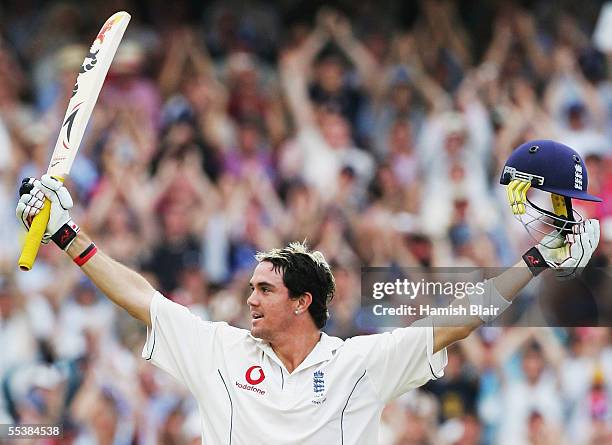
[[554, 168], [549, 166]]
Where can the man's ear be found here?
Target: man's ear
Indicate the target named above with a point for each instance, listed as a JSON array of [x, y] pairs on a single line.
[[304, 302]]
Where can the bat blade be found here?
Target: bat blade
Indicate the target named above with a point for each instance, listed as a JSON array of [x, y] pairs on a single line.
[[84, 97], [85, 93]]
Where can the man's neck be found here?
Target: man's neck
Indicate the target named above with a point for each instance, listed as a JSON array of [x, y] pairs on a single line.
[[293, 349]]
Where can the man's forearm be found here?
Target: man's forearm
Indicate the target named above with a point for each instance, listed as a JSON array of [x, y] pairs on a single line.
[[511, 281], [123, 286], [508, 284]]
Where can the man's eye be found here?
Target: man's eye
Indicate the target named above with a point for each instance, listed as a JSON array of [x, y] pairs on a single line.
[[265, 290]]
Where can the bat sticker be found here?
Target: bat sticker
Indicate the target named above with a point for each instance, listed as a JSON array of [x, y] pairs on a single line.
[[108, 25], [85, 67], [93, 60], [70, 120]]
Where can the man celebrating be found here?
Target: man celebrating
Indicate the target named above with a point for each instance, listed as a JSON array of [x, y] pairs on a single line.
[[286, 382]]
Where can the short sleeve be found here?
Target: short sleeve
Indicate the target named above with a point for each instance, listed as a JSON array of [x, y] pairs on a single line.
[[401, 360], [179, 342]]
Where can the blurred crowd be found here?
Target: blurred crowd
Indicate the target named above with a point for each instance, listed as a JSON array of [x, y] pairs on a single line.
[[375, 130]]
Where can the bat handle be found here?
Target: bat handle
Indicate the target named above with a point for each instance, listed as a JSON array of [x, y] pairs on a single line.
[[34, 237]]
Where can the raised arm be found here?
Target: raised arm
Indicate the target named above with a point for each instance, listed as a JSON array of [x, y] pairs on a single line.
[[339, 27], [526, 32], [502, 290], [444, 28], [497, 52], [123, 286], [570, 254], [293, 72], [405, 55]]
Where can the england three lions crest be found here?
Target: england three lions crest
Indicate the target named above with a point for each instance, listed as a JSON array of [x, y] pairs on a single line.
[[318, 387]]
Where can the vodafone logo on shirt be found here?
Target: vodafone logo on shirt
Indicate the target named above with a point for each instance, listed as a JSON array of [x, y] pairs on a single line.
[[254, 376]]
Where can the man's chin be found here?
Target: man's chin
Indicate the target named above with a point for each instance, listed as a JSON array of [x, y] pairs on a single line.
[[257, 333], [262, 334]]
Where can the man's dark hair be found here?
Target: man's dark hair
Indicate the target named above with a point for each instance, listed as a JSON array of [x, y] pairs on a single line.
[[304, 271]]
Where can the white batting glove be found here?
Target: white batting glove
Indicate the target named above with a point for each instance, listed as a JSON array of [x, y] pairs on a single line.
[[570, 254], [60, 228]]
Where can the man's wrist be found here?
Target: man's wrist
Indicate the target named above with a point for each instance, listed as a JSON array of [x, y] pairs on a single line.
[[78, 245], [348, 41], [535, 261], [82, 250], [66, 234]]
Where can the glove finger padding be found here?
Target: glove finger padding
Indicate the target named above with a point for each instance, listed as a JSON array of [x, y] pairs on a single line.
[[589, 240], [22, 214], [29, 206], [554, 248], [54, 191], [36, 200], [60, 227], [582, 243], [592, 230]]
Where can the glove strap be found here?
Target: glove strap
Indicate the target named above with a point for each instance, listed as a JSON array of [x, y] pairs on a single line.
[[535, 261], [66, 234]]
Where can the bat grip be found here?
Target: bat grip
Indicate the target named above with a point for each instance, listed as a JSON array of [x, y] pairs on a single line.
[[34, 237]]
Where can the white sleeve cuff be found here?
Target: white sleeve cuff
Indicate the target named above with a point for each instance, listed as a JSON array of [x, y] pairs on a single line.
[[490, 298], [149, 346], [437, 361]]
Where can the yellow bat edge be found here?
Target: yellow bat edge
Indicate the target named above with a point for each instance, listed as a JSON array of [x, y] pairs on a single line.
[[35, 236]]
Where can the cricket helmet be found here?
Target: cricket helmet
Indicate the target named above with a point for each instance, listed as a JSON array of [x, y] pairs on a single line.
[[551, 167]]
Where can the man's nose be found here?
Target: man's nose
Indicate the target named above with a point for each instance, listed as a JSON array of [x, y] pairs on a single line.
[[252, 300]]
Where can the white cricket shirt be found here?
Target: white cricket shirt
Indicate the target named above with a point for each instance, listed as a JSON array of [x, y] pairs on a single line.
[[246, 396]]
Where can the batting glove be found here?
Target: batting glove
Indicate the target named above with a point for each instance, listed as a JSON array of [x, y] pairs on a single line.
[[60, 228], [567, 255]]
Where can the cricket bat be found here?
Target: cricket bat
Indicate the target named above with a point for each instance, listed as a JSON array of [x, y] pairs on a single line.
[[84, 96]]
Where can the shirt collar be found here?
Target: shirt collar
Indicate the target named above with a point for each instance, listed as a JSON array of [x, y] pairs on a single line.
[[323, 351]]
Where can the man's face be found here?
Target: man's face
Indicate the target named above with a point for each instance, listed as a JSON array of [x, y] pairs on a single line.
[[330, 73], [271, 308], [533, 365], [454, 142], [335, 130]]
